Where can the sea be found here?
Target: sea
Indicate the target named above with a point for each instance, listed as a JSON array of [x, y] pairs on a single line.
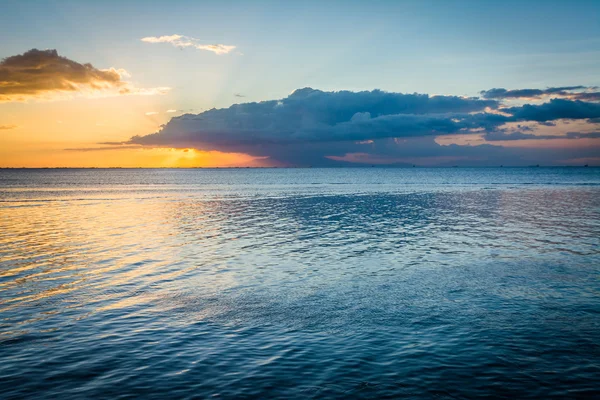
[[369, 283]]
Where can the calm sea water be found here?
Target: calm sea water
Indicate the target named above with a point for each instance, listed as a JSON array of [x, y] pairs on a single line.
[[300, 283]]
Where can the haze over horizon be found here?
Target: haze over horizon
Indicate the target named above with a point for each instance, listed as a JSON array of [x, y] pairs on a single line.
[[271, 84]]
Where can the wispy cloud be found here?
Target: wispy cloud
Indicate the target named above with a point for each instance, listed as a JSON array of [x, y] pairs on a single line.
[[151, 113], [585, 93], [172, 111], [503, 136], [116, 146], [45, 75], [182, 41], [5, 127]]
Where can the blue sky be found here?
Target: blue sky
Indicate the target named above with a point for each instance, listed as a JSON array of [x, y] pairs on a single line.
[[435, 47], [447, 47]]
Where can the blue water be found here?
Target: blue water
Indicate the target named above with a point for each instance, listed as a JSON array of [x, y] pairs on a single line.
[[300, 283]]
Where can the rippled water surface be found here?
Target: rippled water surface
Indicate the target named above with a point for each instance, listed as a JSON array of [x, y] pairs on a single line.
[[300, 283]]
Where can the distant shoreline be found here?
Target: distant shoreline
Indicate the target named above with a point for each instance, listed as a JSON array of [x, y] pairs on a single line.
[[324, 167]]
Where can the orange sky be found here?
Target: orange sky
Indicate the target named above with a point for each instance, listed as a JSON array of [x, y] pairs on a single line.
[[49, 134]]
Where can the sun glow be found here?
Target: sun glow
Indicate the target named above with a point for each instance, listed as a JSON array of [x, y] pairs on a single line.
[[128, 158]]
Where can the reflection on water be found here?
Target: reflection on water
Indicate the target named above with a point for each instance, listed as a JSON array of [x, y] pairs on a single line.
[[299, 283]]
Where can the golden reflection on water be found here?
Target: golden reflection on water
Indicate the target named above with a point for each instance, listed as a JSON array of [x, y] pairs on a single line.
[[103, 255]]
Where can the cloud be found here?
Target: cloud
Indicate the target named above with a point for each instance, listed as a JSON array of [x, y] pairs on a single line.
[[175, 39], [555, 109], [581, 135], [238, 95], [313, 127], [587, 96], [182, 41], [45, 75], [172, 111], [314, 115], [6, 127], [151, 113], [585, 93], [115, 146], [502, 136]]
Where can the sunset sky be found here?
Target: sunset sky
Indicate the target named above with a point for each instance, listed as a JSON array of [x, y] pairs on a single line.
[[227, 83]]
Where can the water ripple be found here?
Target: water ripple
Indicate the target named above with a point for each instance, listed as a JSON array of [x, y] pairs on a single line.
[[300, 283]]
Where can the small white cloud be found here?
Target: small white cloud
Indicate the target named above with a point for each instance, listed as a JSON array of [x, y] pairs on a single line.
[[151, 113], [187, 41], [216, 48], [162, 39], [171, 111]]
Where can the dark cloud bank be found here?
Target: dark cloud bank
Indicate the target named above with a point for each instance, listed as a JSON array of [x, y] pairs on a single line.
[[313, 127]]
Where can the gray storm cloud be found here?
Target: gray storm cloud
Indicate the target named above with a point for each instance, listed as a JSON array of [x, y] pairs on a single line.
[[309, 115], [311, 125]]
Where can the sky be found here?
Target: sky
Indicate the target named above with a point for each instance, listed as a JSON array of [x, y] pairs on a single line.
[[323, 83]]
